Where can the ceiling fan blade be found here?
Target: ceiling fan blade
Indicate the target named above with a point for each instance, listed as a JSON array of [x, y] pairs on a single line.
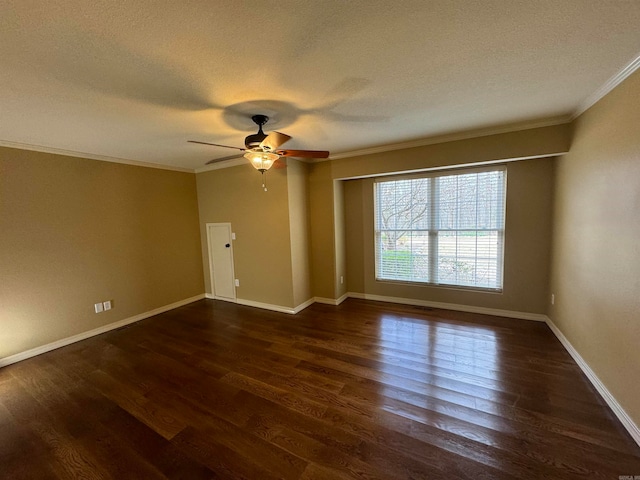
[[216, 160], [215, 145], [274, 140], [304, 153], [280, 163]]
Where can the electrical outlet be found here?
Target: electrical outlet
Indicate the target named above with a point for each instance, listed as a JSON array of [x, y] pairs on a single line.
[[237, 282], [341, 279], [553, 299], [107, 305], [99, 307]]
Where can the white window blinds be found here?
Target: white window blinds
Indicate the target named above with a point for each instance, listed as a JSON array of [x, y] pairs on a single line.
[[443, 229]]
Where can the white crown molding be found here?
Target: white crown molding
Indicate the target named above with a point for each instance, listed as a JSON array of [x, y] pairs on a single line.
[[449, 137], [18, 357], [608, 397], [452, 137], [90, 156], [609, 85], [591, 100]]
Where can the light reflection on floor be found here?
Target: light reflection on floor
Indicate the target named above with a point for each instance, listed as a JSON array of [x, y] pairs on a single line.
[[447, 363]]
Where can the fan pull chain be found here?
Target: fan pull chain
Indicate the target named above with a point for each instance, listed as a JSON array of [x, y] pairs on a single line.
[[264, 181]]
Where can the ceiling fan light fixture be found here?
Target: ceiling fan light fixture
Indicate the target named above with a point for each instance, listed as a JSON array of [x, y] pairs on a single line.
[[262, 150], [261, 161]]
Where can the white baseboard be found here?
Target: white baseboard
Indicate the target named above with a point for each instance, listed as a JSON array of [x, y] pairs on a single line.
[[342, 298], [211, 296], [538, 317], [326, 301], [304, 305], [266, 306], [251, 303], [331, 301], [275, 308], [380, 298], [623, 416], [96, 331], [617, 409]]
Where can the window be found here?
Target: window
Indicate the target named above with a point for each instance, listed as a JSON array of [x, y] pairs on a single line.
[[442, 229]]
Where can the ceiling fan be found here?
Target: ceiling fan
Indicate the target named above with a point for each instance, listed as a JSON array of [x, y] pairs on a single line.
[[263, 150]]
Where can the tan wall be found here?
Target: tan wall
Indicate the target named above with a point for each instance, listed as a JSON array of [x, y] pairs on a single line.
[[526, 250], [535, 142], [322, 230], [596, 260], [340, 240], [355, 238], [297, 173], [260, 220], [74, 232], [544, 141]]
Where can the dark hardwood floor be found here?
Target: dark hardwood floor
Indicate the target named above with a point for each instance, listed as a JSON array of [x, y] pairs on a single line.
[[364, 390]]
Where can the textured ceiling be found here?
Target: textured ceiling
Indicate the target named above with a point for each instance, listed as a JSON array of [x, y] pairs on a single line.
[[135, 80]]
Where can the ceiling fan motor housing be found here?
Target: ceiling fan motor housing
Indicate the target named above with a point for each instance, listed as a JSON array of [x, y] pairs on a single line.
[[254, 140]]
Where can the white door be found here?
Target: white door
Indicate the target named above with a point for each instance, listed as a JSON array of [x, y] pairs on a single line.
[[221, 261]]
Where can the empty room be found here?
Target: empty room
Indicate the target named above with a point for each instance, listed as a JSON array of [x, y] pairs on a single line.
[[320, 240]]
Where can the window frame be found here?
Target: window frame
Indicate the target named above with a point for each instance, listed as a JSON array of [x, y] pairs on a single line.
[[433, 232]]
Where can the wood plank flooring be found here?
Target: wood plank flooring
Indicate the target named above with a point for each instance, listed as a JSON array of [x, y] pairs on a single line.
[[365, 390]]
